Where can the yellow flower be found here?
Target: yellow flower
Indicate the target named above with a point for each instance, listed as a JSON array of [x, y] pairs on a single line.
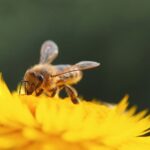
[[43, 123]]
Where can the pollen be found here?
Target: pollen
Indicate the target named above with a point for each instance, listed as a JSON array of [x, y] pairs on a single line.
[[44, 123]]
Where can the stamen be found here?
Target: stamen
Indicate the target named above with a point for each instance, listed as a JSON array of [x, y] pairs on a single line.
[[22, 82]]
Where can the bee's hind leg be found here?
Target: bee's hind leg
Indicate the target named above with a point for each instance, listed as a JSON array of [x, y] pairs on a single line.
[[72, 93]]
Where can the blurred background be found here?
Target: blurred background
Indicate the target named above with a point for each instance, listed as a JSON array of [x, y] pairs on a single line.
[[115, 33]]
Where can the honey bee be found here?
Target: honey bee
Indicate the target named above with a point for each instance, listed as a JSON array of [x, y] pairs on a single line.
[[51, 79]]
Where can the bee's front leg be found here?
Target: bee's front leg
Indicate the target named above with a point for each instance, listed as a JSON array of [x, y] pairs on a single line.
[[72, 93]]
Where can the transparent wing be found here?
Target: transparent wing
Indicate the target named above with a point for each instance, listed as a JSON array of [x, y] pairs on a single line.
[[49, 51], [62, 68], [83, 65]]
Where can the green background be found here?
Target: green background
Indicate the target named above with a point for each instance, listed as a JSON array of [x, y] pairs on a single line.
[[113, 32]]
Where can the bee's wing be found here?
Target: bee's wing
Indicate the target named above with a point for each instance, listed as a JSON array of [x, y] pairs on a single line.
[[62, 68], [49, 51], [84, 65]]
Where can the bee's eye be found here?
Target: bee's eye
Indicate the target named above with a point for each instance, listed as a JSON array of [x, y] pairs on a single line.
[[40, 77]]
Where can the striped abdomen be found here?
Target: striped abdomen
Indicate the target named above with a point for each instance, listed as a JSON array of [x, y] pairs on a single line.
[[70, 77]]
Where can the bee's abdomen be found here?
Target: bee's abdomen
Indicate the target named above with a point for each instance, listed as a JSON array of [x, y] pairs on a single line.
[[71, 77]]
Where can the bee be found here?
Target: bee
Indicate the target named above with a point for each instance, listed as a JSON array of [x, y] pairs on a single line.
[[51, 79]]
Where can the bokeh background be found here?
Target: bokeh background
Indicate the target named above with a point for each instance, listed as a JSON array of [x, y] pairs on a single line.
[[115, 33]]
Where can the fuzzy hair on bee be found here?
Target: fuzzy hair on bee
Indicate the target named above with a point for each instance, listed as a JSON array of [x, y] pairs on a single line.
[[51, 79]]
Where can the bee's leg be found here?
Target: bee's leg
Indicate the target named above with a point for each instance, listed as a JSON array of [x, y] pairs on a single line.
[[39, 92], [72, 93], [54, 91], [51, 92]]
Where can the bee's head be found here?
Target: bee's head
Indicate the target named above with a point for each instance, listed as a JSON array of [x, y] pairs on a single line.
[[32, 81]]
